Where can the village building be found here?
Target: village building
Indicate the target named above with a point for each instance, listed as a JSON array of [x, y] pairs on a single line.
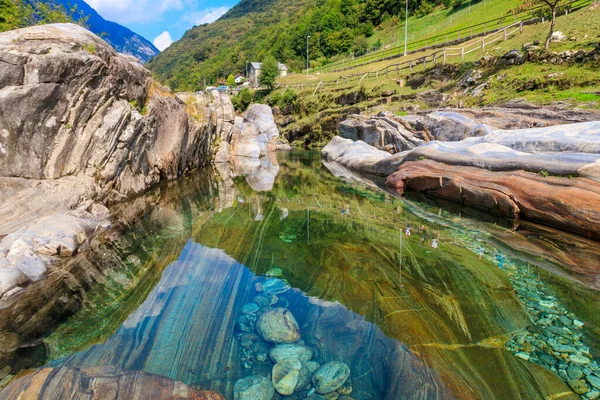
[[255, 68]]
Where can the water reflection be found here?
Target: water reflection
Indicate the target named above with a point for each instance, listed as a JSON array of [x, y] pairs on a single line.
[[161, 292]]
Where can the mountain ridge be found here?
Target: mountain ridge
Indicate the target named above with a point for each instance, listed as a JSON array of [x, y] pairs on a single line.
[[123, 39]]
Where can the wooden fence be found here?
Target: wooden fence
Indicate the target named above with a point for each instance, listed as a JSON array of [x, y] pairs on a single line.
[[440, 56]]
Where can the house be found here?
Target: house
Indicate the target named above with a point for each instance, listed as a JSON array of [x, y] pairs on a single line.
[[255, 72], [239, 79]]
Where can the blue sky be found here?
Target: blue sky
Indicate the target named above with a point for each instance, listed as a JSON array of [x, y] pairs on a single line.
[[161, 21]]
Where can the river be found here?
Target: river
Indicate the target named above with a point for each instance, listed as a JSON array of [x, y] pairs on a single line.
[[421, 299]]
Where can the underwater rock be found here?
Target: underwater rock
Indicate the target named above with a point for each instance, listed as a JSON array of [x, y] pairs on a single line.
[[275, 272], [275, 286], [289, 376], [285, 351], [578, 386], [102, 383], [253, 388], [250, 308], [261, 351], [278, 326], [330, 377], [262, 301], [312, 366]]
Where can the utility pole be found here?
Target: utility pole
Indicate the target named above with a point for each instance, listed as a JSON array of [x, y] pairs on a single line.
[[246, 70], [400, 259], [307, 63], [406, 31]]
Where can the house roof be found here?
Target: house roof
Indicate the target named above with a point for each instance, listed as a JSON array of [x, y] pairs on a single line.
[[258, 65]]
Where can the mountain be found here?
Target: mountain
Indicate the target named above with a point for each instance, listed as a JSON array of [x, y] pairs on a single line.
[[254, 28], [121, 38]]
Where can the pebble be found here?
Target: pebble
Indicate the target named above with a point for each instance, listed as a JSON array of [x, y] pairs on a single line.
[[594, 381], [250, 308], [579, 359], [592, 395], [574, 372], [578, 386]]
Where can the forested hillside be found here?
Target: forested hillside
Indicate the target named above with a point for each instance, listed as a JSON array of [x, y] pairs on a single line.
[[254, 28]]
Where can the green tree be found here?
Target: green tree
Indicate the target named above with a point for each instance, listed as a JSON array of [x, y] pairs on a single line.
[[244, 98], [16, 14], [230, 80], [10, 15], [548, 6], [269, 72]]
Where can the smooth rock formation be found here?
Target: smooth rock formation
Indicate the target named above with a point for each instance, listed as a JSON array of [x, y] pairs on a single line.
[[330, 377], [106, 383], [79, 122], [558, 150], [72, 106], [448, 126], [572, 204], [359, 156], [383, 132], [253, 388], [278, 325], [35, 248], [514, 173], [256, 134]]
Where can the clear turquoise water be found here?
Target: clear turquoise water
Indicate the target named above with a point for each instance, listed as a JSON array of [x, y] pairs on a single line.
[[419, 316]]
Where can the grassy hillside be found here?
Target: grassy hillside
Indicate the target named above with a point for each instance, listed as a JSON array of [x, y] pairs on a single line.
[[338, 28]]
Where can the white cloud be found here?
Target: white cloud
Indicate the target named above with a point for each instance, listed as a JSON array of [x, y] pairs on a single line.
[[163, 41], [126, 11], [206, 16]]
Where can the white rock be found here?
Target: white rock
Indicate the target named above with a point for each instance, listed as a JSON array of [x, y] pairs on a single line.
[[10, 278]]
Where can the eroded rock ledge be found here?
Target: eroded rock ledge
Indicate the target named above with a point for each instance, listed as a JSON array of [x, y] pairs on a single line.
[[82, 126], [549, 174]]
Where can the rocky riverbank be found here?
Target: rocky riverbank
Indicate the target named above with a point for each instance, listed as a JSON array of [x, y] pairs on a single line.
[[83, 127], [547, 174]]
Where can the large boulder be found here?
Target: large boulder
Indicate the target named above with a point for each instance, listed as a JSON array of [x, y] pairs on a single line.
[[381, 132], [360, 156], [256, 134], [278, 325], [448, 126]]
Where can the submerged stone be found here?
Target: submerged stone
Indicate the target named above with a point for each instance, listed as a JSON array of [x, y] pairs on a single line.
[[288, 376], [593, 380], [284, 351], [579, 359], [330, 377], [275, 286], [574, 372], [253, 388], [276, 272], [250, 308], [278, 326], [578, 386]]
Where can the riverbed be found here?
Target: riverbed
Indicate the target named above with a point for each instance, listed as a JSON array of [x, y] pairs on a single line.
[[420, 299]]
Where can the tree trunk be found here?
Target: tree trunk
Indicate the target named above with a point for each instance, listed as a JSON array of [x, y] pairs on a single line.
[[547, 46]]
